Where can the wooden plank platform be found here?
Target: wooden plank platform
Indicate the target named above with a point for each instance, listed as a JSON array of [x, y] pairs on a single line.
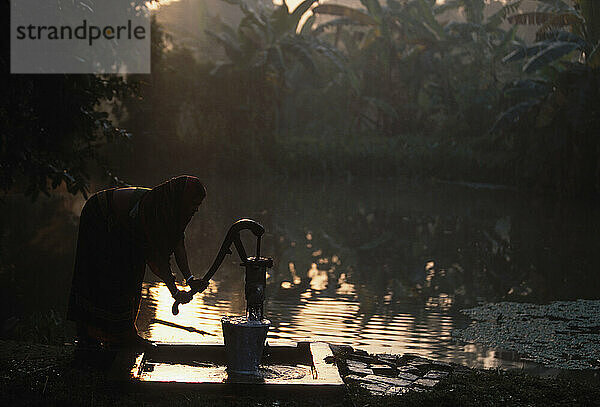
[[285, 371]]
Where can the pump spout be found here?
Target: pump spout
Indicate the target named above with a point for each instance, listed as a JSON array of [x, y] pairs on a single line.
[[256, 281]]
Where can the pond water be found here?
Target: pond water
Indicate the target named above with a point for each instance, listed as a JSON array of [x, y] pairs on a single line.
[[381, 265]]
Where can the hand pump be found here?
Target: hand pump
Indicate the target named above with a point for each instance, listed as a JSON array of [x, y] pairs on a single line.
[[256, 267]]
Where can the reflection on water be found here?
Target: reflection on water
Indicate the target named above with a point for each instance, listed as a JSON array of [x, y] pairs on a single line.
[[383, 271], [157, 322], [316, 317], [376, 264]]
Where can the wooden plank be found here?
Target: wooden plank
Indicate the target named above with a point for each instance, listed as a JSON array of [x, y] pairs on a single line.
[[326, 373]]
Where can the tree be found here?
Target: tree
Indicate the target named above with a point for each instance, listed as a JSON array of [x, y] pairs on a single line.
[[52, 126], [553, 118]]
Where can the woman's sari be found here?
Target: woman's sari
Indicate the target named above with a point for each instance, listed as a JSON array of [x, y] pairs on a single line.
[[113, 248]]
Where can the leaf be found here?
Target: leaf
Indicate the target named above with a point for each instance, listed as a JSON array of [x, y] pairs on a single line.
[[530, 18], [509, 36], [250, 35], [374, 9], [593, 60], [546, 114], [499, 16], [527, 89], [331, 53], [447, 5], [560, 21], [430, 22], [308, 24], [512, 116], [275, 59], [562, 35], [299, 11], [303, 55], [550, 54], [369, 39], [525, 52], [383, 106], [280, 22], [555, 5], [250, 14], [343, 11], [232, 49], [337, 22]]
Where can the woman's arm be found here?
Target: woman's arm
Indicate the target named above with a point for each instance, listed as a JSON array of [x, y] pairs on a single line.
[[182, 260], [163, 270]]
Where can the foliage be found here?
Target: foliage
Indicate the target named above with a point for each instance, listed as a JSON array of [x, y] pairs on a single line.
[[42, 374], [407, 65], [53, 126], [231, 112], [386, 88], [273, 60], [555, 111]]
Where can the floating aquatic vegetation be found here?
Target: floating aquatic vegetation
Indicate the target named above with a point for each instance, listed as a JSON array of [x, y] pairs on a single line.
[[562, 334]]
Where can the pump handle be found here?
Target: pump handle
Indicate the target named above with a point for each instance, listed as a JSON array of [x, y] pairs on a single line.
[[233, 236]]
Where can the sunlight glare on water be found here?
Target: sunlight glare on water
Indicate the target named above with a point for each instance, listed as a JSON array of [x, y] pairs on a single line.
[[318, 317], [196, 315], [385, 273]]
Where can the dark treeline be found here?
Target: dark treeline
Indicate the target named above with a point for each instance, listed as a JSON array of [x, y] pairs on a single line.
[[391, 88]]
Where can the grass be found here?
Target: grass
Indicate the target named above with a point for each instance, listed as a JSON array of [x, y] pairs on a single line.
[[480, 388], [33, 374]]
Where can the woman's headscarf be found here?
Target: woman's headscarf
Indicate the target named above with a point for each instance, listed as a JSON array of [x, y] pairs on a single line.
[[165, 213]]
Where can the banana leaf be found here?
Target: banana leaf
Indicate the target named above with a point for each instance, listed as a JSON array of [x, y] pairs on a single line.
[[555, 5], [527, 89], [343, 11], [499, 16], [548, 55], [299, 11], [525, 52], [512, 115]]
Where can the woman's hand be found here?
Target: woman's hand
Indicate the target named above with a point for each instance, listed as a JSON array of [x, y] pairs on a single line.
[[183, 297], [198, 285]]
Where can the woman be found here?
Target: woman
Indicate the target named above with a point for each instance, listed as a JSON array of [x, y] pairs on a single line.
[[120, 231]]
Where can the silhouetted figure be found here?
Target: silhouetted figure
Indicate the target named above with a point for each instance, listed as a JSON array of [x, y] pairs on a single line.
[[120, 231]]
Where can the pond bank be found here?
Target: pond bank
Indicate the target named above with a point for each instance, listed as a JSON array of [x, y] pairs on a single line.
[[34, 374], [562, 334]]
